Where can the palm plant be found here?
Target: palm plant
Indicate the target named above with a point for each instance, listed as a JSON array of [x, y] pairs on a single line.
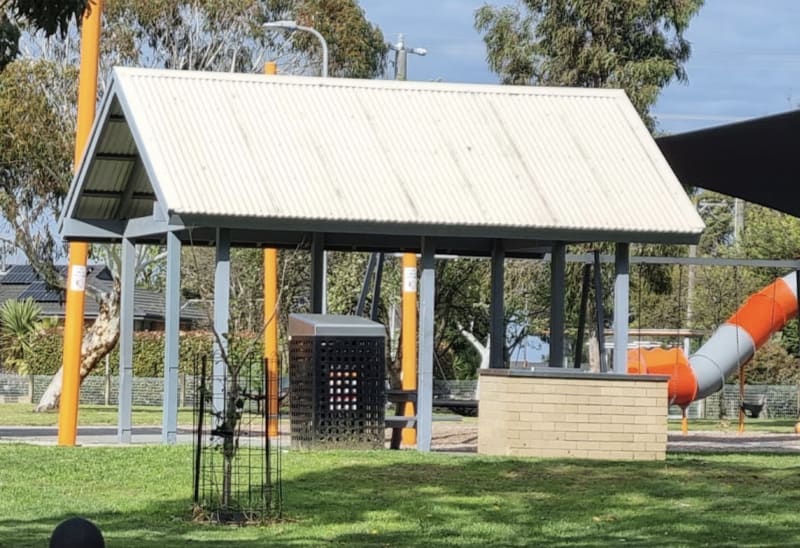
[[19, 320]]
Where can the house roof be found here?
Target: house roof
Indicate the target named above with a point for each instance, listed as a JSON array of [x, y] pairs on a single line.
[[755, 160], [21, 281], [373, 163]]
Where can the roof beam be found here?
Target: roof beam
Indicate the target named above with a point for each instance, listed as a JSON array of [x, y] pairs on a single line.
[[106, 157], [72, 229], [141, 227], [117, 194], [701, 261]]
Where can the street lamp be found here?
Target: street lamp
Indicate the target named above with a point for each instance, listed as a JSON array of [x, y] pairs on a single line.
[[292, 26], [401, 63]]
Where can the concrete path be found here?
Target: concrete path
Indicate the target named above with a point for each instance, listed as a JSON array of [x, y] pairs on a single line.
[[87, 435], [733, 442], [458, 437]]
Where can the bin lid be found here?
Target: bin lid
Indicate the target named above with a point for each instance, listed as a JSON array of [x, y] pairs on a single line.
[[335, 325]]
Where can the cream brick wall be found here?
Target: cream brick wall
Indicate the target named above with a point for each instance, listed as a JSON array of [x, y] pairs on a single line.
[[614, 418]]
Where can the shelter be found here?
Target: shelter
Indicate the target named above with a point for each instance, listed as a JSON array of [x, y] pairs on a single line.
[[247, 160]]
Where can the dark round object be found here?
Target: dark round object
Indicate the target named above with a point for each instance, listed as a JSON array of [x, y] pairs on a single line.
[[77, 533]]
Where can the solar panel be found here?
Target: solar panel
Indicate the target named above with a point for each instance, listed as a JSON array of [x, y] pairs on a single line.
[[39, 292], [20, 274]]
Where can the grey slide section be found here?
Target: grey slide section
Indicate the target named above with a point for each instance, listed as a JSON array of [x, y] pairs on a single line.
[[728, 347]]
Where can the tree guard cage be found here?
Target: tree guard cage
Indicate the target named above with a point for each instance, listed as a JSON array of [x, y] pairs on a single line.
[[237, 467]]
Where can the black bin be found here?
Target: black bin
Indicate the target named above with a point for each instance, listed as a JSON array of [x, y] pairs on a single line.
[[336, 381]]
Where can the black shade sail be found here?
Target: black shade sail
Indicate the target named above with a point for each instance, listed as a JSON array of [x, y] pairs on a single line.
[[757, 160]]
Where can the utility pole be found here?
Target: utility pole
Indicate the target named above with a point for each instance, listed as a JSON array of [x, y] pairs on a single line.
[[738, 221]]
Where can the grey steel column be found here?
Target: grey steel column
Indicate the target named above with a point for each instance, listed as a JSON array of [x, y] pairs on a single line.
[[621, 306], [169, 417], [127, 279], [222, 289], [427, 295], [497, 308], [318, 267], [376, 295], [558, 265]]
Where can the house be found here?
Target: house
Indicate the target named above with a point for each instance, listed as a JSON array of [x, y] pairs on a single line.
[[20, 282]]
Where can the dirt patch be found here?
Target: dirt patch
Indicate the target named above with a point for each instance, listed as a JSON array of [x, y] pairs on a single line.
[[453, 436]]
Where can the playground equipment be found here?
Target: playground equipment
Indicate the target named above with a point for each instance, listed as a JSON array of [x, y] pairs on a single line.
[[731, 346]]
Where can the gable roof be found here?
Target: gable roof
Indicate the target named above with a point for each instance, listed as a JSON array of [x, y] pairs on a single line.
[[274, 157], [21, 281]]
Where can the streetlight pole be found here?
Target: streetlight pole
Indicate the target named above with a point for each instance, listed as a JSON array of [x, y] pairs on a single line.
[[292, 26]]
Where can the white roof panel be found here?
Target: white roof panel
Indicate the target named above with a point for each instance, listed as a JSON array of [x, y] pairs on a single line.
[[401, 153]]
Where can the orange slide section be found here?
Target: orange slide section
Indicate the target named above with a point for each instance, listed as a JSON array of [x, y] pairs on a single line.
[[766, 312], [682, 386]]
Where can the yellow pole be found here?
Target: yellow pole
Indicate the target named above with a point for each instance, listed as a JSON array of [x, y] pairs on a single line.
[[409, 339], [271, 317], [79, 251]]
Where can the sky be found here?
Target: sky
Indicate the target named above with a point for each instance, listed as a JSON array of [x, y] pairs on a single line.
[[745, 58]]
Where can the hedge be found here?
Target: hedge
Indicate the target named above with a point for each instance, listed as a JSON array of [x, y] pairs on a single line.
[[148, 352]]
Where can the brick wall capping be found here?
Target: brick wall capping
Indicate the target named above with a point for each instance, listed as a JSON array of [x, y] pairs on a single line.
[[563, 373]]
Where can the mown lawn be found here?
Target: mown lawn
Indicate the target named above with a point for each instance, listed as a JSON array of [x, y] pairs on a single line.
[[140, 497], [21, 414]]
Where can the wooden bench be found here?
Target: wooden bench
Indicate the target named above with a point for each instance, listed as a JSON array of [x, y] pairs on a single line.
[[398, 421], [463, 407]]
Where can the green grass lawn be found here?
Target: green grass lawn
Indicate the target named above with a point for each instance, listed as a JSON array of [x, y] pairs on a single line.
[[140, 497], [21, 414]]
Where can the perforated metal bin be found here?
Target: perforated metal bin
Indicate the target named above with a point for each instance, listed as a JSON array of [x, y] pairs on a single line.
[[336, 381]]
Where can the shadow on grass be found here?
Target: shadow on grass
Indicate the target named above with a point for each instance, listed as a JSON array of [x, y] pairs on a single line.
[[408, 499]]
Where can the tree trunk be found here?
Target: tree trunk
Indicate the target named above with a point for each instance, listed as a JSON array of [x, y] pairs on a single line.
[[484, 351], [594, 354], [98, 341]]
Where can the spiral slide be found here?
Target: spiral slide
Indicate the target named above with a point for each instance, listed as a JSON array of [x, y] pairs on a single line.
[[732, 344]]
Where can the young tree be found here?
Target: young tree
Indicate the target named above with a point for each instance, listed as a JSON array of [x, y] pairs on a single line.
[[636, 45]]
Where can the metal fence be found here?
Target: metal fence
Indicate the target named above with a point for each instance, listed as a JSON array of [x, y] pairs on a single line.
[[96, 389], [781, 401]]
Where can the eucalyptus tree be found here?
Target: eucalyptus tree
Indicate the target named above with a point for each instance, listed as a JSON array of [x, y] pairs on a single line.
[[37, 106], [50, 17], [636, 45]]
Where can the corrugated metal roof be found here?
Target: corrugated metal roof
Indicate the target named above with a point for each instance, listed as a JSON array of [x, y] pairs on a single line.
[[541, 162]]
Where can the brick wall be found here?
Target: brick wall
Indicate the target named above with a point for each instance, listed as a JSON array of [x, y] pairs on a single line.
[[549, 414]]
